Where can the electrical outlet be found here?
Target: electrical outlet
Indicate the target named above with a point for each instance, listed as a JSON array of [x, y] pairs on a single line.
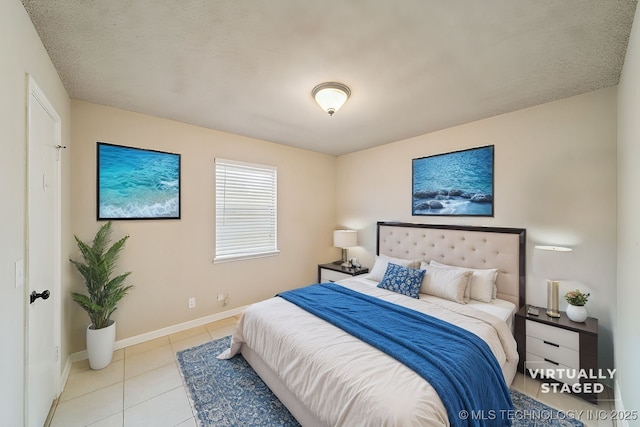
[[192, 302], [220, 297]]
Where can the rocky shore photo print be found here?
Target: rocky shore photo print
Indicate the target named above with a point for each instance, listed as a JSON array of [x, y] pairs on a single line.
[[458, 183]]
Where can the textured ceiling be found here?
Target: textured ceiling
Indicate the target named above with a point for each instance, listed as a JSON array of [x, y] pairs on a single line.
[[413, 66]]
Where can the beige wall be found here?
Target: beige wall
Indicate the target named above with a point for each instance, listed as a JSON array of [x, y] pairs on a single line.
[[555, 175], [171, 260], [627, 336], [22, 53]]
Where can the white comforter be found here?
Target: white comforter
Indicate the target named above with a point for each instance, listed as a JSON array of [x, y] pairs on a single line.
[[346, 382]]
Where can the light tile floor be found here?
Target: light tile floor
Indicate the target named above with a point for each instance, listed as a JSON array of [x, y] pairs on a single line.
[[143, 387]]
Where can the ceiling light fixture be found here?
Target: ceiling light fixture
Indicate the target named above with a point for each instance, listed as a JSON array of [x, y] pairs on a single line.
[[331, 96]]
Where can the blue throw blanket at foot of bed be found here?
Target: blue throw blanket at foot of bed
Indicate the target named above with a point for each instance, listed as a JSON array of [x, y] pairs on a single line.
[[457, 363]]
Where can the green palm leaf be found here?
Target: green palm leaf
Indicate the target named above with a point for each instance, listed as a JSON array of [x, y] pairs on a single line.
[[96, 268]]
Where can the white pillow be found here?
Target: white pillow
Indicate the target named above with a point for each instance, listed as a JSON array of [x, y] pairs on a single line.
[[447, 283], [381, 263], [482, 286]]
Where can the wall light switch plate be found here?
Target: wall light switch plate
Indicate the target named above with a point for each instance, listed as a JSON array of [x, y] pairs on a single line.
[[19, 273]]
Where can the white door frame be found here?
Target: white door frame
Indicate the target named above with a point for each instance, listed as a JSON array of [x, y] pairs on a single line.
[[37, 94]]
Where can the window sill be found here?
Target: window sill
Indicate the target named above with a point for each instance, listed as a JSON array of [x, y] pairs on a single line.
[[231, 258]]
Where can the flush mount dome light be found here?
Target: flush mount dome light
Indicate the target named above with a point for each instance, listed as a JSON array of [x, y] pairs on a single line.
[[331, 96]]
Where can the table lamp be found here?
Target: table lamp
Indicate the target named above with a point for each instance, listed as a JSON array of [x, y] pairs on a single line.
[[345, 239], [553, 285]]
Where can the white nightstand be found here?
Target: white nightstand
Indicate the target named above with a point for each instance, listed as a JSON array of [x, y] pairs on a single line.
[[557, 344], [333, 272]]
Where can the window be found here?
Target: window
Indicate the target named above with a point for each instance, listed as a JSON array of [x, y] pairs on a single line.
[[246, 210]]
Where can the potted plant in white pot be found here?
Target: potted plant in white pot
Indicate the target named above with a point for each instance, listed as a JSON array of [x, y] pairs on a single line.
[[103, 293], [576, 310]]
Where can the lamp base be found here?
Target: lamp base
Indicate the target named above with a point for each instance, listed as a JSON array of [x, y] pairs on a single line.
[[345, 258], [552, 298]]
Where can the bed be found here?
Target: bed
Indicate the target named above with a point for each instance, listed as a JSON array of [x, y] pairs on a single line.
[[328, 377]]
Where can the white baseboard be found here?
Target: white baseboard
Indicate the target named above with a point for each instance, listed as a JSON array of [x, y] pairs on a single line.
[[82, 355]]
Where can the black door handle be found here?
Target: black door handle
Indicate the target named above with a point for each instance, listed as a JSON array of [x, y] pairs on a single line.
[[34, 295]]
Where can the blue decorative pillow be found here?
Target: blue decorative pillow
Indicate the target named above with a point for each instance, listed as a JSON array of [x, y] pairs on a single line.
[[403, 280]]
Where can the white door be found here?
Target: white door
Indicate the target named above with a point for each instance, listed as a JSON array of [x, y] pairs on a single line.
[[43, 257]]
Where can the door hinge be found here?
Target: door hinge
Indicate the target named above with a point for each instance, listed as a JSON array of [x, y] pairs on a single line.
[[57, 353]]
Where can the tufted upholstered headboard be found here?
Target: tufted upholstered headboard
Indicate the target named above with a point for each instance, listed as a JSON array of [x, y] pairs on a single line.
[[465, 246]]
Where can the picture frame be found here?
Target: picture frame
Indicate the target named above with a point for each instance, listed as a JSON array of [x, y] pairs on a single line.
[[136, 183], [459, 183]]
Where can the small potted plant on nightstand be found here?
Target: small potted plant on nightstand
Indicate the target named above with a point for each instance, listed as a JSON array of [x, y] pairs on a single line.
[[576, 310], [103, 293]]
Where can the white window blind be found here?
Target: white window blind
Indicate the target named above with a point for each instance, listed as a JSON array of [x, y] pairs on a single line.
[[246, 210]]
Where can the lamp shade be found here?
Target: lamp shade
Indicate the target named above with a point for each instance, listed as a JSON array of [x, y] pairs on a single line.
[[331, 96], [553, 248], [345, 238]]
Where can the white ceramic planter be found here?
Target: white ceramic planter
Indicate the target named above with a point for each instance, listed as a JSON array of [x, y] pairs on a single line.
[[577, 313], [100, 343]]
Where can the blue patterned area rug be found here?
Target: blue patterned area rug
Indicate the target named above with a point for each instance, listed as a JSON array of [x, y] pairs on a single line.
[[228, 393]]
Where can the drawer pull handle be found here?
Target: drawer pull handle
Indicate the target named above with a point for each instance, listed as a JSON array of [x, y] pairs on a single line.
[[551, 361], [551, 343]]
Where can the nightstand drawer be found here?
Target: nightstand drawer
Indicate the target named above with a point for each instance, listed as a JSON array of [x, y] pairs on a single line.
[[561, 337], [332, 276], [553, 352], [537, 366]]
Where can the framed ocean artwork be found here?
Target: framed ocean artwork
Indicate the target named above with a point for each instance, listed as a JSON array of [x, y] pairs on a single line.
[[459, 183], [135, 183]]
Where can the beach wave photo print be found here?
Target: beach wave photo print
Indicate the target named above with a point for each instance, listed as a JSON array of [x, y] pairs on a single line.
[[135, 183], [457, 184]]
